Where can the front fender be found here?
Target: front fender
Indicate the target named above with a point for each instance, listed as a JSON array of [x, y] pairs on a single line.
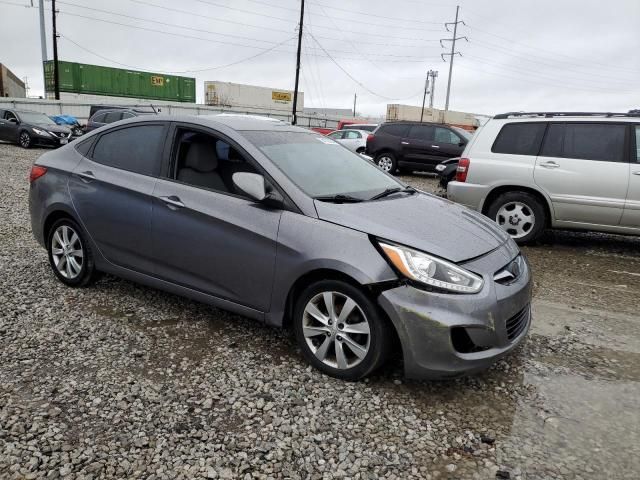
[[308, 244]]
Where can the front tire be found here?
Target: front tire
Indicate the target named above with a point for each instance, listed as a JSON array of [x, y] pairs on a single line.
[[70, 255], [24, 139], [520, 214], [340, 331], [387, 162]]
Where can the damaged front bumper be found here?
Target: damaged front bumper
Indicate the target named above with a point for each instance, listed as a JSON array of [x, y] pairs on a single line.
[[445, 335]]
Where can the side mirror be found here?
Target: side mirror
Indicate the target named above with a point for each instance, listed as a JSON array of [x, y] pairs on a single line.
[[14, 120], [252, 184], [462, 144]]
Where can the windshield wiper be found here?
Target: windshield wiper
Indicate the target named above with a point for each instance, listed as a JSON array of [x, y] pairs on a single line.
[[340, 198], [391, 191]]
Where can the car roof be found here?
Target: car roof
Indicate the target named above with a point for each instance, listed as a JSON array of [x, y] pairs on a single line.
[[412, 122], [233, 121]]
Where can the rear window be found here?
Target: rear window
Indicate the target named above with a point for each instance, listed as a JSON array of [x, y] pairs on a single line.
[[520, 138], [112, 117], [98, 118], [397, 130], [586, 141], [136, 149]]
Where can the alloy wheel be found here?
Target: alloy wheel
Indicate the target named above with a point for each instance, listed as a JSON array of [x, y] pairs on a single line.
[[385, 163], [516, 218], [67, 252], [25, 140], [336, 330]]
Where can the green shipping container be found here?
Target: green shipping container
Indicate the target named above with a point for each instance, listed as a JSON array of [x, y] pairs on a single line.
[[117, 82]]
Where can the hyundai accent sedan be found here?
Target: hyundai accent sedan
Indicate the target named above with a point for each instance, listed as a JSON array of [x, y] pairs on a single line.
[[281, 224]]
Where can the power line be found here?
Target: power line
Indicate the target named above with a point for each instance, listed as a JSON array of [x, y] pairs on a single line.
[[206, 69], [351, 76], [453, 53]]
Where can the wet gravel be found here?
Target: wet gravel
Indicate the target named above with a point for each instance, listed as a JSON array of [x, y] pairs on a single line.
[[122, 381]]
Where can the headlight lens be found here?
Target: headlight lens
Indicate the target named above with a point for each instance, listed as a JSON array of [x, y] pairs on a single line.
[[41, 132], [432, 271]]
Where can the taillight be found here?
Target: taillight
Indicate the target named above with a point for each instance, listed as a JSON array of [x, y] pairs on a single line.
[[462, 170], [36, 172], [370, 137]]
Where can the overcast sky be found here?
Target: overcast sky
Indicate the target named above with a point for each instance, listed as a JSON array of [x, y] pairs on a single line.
[[521, 55]]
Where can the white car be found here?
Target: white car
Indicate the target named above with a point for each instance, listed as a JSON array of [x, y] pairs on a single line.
[[530, 171], [354, 140]]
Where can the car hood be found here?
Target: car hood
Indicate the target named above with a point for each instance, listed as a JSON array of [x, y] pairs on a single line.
[[52, 128], [424, 222]]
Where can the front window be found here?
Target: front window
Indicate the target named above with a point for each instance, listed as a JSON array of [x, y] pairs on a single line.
[[319, 167], [34, 117]]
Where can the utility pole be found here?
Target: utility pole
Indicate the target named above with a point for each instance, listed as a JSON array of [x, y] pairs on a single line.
[[56, 77], [453, 50], [295, 91], [355, 96], [424, 97], [43, 35], [434, 75]]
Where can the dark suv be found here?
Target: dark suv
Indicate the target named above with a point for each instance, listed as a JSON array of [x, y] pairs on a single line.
[[104, 117], [412, 146]]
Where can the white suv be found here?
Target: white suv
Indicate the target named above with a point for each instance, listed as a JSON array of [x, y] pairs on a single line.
[[530, 171]]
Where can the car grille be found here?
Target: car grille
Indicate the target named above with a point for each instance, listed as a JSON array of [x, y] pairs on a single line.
[[517, 324]]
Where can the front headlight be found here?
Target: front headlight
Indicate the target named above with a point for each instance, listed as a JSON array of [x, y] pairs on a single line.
[[431, 271], [41, 132]]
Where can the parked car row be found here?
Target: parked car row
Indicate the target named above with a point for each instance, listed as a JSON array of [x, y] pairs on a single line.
[[27, 129]]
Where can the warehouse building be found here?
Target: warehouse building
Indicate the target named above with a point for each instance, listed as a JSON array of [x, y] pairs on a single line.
[[10, 84]]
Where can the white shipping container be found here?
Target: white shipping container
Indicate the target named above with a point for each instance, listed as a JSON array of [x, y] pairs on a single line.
[[236, 95], [397, 112]]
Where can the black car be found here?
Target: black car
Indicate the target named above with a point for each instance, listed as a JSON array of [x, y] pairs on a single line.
[[408, 146], [446, 171], [27, 128], [104, 117]]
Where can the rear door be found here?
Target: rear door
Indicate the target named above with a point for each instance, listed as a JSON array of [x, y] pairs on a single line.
[[352, 140], [583, 167], [631, 215], [111, 190], [447, 143], [416, 146], [8, 129]]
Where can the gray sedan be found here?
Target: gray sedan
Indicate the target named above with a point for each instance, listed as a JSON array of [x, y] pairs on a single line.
[[279, 224]]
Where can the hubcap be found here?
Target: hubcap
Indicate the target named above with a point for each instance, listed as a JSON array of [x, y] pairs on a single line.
[[516, 218], [66, 251], [24, 139], [336, 330], [385, 163]]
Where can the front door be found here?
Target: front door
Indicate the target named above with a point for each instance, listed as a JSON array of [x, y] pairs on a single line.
[[631, 215], [207, 235], [9, 127], [111, 191], [417, 147], [583, 168], [447, 144]]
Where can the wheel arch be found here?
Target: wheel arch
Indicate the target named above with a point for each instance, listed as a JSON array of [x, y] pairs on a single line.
[[372, 291], [499, 190], [52, 217]]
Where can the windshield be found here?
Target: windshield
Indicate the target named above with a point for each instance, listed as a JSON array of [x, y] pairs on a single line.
[[34, 117], [320, 166]]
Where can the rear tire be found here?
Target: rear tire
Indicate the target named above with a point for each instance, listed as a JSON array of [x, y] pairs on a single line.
[[520, 214], [348, 346], [387, 162], [70, 255]]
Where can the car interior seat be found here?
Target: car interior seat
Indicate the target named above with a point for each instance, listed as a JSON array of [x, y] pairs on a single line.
[[200, 167]]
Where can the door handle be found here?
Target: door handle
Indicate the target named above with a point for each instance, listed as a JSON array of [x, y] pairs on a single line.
[[173, 202], [86, 176], [636, 173], [549, 165], [435, 146], [404, 143]]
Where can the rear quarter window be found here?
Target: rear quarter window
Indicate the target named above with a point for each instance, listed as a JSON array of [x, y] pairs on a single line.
[[396, 130], [520, 138]]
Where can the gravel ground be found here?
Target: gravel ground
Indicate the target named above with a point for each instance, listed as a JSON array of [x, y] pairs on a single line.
[[122, 381]]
